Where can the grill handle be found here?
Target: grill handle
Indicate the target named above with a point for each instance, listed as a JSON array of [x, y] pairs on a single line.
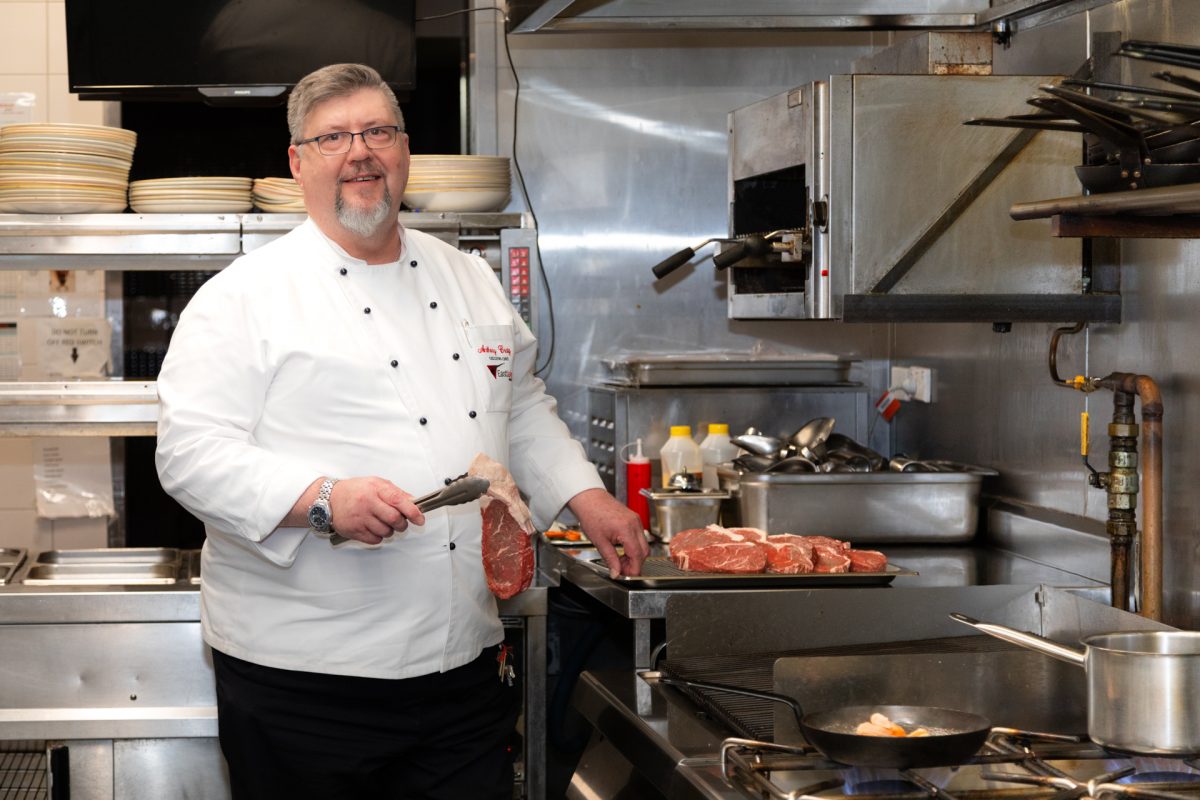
[[790, 702]]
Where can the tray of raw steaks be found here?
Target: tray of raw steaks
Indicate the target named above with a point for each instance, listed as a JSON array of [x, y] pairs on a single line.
[[717, 557]]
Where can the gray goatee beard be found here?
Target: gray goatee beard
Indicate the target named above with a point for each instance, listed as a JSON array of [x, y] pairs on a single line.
[[363, 222]]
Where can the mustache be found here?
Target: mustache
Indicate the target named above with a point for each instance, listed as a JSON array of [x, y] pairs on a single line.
[[365, 169]]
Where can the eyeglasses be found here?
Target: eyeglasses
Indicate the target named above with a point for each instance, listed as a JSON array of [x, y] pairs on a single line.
[[334, 144]]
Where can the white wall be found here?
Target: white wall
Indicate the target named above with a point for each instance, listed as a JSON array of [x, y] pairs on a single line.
[[33, 58]]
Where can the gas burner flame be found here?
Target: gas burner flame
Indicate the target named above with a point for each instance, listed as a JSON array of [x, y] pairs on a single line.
[[1161, 770], [887, 782]]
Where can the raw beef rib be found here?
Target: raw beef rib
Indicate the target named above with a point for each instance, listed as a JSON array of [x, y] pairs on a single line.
[[507, 526]]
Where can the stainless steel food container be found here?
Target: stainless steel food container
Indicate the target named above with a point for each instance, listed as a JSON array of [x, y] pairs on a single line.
[[674, 511], [869, 507], [1141, 685]]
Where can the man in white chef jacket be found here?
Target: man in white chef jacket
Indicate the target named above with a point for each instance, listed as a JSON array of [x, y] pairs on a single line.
[[323, 381]]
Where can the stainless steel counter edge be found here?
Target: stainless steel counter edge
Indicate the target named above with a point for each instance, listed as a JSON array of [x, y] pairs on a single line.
[[22, 605], [172, 722], [653, 756]]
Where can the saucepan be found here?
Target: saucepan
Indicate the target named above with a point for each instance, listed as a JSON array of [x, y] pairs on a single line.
[[1143, 686], [954, 737]]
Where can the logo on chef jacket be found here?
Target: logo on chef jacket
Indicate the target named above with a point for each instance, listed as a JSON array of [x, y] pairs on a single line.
[[498, 359]]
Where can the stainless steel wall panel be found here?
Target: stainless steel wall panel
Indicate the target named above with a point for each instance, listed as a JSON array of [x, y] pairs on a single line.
[[622, 141], [623, 144], [995, 403], [154, 769], [913, 157]]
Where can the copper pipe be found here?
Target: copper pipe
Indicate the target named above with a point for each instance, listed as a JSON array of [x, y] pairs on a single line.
[[1152, 500]]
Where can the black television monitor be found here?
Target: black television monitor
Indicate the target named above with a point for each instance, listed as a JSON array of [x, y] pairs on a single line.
[[230, 50]]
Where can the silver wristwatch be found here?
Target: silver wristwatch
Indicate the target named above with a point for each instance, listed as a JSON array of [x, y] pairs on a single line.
[[320, 515]]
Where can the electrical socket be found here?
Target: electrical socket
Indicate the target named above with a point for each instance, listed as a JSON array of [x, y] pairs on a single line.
[[916, 381]]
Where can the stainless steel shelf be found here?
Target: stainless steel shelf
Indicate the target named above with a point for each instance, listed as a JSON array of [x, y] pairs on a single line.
[[183, 241], [84, 408], [568, 16]]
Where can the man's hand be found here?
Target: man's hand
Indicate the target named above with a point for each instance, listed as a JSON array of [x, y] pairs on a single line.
[[607, 524], [367, 509], [372, 509]]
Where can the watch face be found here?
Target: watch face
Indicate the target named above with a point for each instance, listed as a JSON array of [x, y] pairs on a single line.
[[318, 518]]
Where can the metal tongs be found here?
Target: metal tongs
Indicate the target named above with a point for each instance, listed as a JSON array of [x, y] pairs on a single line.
[[462, 489]]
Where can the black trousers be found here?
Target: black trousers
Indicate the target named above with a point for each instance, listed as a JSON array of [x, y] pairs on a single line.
[[301, 735]]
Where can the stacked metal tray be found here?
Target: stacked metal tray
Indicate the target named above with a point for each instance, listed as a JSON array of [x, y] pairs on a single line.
[[116, 566], [10, 561], [727, 369]]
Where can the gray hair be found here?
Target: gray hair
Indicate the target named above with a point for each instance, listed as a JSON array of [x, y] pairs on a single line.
[[335, 80]]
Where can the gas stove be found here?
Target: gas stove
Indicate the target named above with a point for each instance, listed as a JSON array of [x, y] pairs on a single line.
[[1011, 764]]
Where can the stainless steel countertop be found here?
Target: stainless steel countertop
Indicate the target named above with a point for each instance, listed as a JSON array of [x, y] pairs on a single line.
[[179, 602], [936, 565]]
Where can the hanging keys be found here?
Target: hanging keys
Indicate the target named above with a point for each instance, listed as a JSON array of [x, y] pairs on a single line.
[[507, 672]]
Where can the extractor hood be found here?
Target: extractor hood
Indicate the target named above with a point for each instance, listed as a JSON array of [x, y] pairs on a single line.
[[564, 16]]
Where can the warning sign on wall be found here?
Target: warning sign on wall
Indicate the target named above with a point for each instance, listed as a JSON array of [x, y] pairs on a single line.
[[75, 347]]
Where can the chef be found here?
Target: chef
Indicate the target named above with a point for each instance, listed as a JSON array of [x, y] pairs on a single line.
[[317, 384]]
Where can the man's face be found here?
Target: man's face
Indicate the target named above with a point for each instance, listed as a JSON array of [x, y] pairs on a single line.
[[359, 190]]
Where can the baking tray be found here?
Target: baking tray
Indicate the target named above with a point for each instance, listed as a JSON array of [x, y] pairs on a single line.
[[718, 369], [658, 572]]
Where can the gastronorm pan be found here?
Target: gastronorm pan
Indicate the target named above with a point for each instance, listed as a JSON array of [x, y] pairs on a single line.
[[864, 507], [111, 555], [727, 369], [114, 574]]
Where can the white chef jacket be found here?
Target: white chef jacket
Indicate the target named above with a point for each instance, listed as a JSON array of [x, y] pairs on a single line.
[[298, 361]]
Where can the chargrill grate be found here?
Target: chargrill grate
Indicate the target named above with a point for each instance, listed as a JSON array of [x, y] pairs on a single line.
[[23, 773]]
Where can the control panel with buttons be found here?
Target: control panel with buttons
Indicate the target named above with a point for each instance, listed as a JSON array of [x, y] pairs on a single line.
[[519, 270]]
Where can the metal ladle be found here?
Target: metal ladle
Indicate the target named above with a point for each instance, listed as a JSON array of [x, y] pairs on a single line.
[[759, 444], [810, 439]]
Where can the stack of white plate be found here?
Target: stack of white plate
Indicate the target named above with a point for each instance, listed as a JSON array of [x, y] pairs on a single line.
[[59, 168], [280, 195], [457, 183], [190, 195]]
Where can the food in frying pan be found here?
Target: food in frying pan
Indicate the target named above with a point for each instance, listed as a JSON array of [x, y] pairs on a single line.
[[750, 550], [879, 725]]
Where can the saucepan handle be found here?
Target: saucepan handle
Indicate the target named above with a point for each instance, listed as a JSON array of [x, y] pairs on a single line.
[[1030, 641]]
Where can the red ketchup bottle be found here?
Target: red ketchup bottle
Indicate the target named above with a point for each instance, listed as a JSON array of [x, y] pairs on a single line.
[[637, 477]]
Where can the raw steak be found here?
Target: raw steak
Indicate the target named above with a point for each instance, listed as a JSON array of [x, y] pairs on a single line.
[[751, 534], [716, 549], [507, 526], [827, 541], [788, 554], [867, 561], [830, 559]]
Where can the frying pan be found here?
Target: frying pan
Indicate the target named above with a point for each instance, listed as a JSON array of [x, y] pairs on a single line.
[[1120, 140], [1174, 130], [1115, 178], [1130, 88], [956, 735], [1161, 53], [1178, 80]]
